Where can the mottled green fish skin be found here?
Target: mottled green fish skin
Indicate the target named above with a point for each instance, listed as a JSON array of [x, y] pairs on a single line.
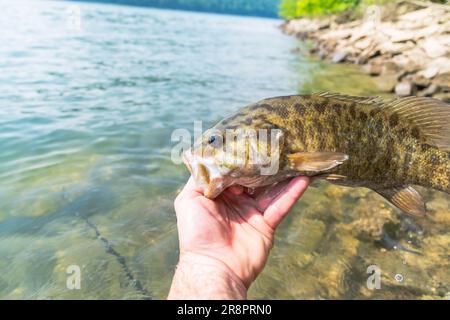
[[383, 150]]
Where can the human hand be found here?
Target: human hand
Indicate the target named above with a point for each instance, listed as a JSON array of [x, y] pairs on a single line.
[[235, 231]]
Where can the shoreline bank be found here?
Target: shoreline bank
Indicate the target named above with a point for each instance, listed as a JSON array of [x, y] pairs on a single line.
[[405, 47]]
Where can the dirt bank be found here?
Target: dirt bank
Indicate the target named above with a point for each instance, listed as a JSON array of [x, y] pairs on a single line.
[[406, 46]]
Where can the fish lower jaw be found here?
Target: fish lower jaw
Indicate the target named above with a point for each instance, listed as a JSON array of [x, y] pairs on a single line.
[[213, 189]]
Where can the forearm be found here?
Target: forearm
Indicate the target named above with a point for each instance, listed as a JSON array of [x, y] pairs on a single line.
[[199, 277]]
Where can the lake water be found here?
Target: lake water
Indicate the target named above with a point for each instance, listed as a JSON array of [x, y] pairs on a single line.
[[89, 97]]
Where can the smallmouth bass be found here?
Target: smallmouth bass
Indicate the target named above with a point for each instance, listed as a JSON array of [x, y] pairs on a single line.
[[387, 146]]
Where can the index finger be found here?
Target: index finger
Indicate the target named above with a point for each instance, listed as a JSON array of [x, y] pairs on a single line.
[[280, 206]]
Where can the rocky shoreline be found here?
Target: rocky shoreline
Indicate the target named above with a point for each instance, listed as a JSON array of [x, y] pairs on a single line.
[[405, 46]]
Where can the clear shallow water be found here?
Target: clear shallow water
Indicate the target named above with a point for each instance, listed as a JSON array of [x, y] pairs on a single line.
[[85, 123]]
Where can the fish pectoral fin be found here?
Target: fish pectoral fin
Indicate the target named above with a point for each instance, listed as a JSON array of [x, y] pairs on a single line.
[[406, 199], [316, 161]]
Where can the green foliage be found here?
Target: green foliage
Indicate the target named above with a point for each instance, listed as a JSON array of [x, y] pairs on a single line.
[[310, 8]]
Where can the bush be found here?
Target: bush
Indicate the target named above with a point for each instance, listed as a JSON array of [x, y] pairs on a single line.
[[312, 8], [290, 9]]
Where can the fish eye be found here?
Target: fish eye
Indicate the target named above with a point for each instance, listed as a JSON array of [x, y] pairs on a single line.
[[211, 139], [215, 140]]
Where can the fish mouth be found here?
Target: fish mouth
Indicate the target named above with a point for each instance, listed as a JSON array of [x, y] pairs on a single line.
[[206, 175]]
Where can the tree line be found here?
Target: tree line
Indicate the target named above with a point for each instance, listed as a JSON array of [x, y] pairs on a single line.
[[264, 8]]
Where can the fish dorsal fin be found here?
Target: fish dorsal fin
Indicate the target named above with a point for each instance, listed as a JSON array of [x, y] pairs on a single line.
[[374, 101], [316, 161], [430, 116], [406, 199]]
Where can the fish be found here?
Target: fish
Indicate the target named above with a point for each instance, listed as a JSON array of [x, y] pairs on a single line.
[[389, 146]]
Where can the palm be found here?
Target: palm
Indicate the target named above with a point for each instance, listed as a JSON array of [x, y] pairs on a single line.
[[235, 228]]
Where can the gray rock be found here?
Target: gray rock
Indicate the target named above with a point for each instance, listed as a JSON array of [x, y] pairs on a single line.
[[430, 72], [405, 89], [430, 91], [363, 43], [339, 56], [403, 36], [434, 48]]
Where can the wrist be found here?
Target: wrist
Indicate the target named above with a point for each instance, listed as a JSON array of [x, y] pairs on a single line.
[[199, 276]]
